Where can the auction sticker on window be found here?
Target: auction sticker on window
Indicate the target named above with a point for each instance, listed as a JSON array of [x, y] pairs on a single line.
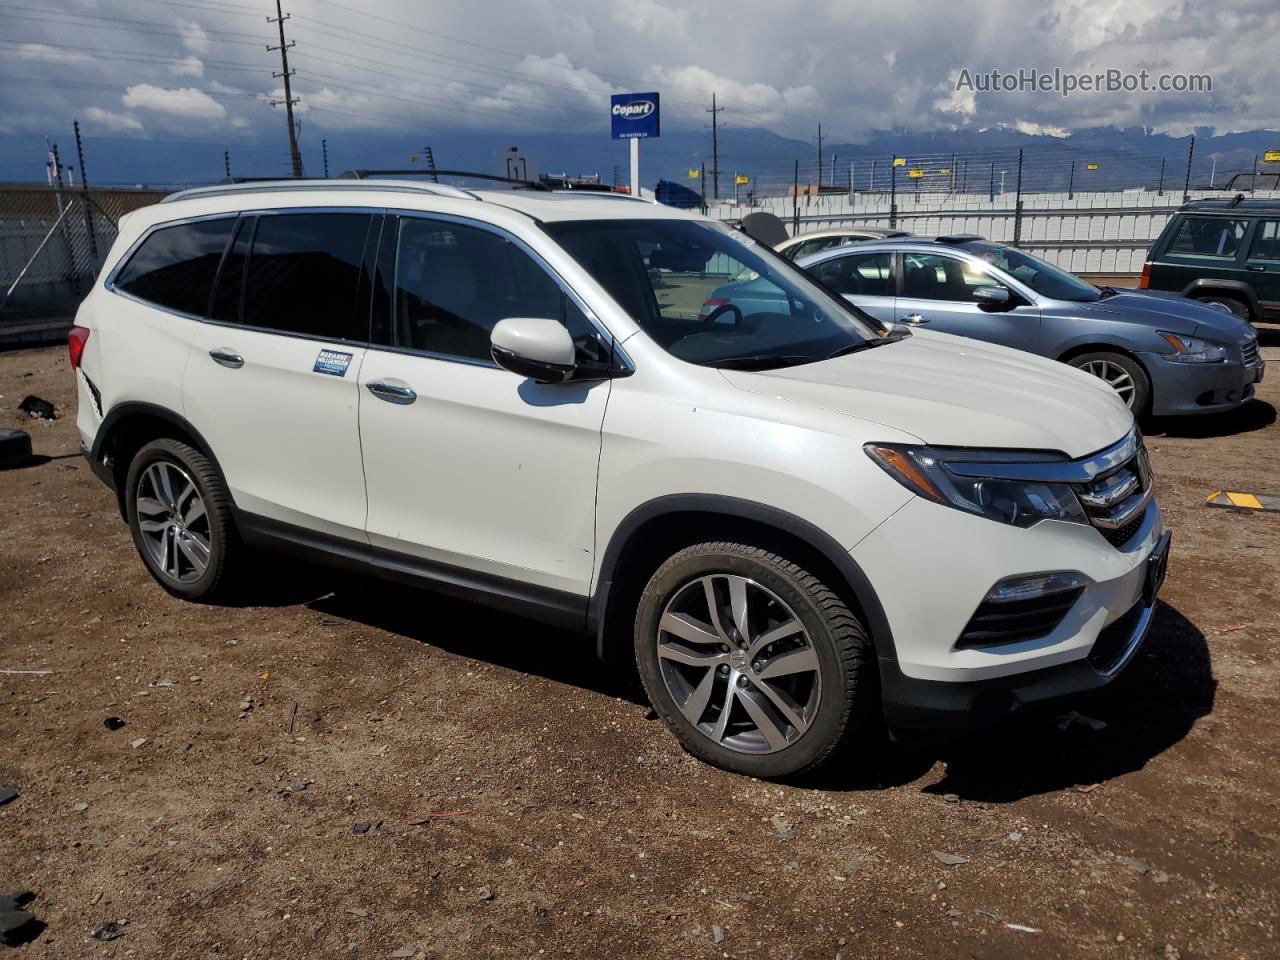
[[332, 361]]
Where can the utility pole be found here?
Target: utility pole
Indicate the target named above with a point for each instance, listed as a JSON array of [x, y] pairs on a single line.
[[715, 148], [324, 151], [819, 138], [289, 99]]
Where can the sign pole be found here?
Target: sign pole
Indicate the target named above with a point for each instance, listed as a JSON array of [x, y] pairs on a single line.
[[635, 166]]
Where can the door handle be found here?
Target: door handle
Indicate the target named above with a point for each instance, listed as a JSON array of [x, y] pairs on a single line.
[[915, 318], [227, 357], [391, 391], [1255, 266]]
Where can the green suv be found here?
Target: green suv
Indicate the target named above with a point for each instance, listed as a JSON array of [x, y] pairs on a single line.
[[1221, 251]]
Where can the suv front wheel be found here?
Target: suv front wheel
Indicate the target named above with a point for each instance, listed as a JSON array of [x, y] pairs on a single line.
[[755, 664], [179, 513]]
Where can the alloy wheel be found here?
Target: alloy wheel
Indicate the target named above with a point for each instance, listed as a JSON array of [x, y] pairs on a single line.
[[1115, 376], [173, 521], [738, 663]]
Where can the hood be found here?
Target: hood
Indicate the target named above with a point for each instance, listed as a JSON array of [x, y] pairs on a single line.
[[1157, 309], [952, 391]]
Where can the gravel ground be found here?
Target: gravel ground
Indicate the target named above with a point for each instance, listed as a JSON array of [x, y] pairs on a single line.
[[520, 801]]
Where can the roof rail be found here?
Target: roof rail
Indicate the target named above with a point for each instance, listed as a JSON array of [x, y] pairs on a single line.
[[959, 238], [253, 185], [493, 177]]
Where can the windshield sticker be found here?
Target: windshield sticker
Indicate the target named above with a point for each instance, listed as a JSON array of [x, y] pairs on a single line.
[[333, 362]]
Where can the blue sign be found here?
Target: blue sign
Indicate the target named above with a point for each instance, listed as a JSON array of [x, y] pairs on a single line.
[[634, 115]]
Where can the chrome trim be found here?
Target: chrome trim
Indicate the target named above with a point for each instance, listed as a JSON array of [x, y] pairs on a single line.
[[1083, 470], [1111, 495], [1136, 504], [1135, 640], [392, 392], [227, 357]]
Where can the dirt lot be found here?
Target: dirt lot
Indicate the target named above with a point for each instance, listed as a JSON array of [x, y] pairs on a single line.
[[208, 829]]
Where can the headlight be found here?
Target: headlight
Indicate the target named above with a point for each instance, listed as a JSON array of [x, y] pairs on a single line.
[[1021, 503], [1192, 349]]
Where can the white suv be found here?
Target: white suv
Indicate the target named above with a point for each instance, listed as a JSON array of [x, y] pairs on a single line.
[[525, 398]]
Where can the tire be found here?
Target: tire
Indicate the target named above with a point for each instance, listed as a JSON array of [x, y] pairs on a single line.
[[822, 673], [15, 447], [1238, 307], [1122, 372], [173, 542]]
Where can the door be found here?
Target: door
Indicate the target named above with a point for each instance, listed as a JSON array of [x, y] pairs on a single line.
[[864, 279], [468, 465], [271, 379], [938, 290], [1263, 265]]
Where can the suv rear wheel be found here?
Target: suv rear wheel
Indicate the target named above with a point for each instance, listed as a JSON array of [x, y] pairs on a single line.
[[1237, 307], [1123, 374], [179, 513], [754, 663]]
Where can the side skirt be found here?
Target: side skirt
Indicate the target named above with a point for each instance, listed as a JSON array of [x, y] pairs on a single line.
[[556, 607]]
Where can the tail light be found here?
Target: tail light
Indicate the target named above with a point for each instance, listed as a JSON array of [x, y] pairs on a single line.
[[76, 340], [1145, 282], [708, 308]]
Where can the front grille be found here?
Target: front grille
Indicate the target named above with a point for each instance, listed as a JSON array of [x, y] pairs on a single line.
[[1115, 500], [1114, 639], [1249, 352], [1013, 621]]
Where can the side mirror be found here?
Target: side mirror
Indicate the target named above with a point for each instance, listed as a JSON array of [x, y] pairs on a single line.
[[991, 296], [535, 347]]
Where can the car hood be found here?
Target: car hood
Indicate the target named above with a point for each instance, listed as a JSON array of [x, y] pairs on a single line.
[[952, 391], [1166, 311]]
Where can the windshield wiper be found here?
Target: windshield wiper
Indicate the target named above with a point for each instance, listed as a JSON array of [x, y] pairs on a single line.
[[863, 345], [760, 361], [1107, 292]]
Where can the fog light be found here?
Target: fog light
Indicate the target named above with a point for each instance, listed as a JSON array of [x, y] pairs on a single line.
[[1021, 608], [1033, 585]]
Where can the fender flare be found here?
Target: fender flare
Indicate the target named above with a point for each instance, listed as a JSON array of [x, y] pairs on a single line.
[[735, 508], [1244, 291]]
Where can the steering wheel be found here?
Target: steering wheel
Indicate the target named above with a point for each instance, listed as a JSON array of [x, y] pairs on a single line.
[[720, 311]]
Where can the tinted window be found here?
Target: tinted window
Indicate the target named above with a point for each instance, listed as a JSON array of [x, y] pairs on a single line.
[[813, 246], [712, 295], [304, 275], [1266, 242], [175, 266], [452, 284], [1208, 237], [929, 277], [866, 274], [229, 295]]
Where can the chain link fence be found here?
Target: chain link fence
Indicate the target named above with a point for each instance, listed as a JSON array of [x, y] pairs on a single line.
[[53, 243]]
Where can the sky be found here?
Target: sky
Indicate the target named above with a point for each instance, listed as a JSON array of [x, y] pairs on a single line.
[[165, 69]]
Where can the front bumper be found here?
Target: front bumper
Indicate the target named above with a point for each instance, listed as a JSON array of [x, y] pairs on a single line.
[[929, 710], [1178, 389]]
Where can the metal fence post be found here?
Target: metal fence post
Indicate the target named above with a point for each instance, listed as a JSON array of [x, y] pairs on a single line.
[[795, 201], [84, 198], [991, 185], [1071, 182], [1017, 206], [1186, 184], [893, 195]]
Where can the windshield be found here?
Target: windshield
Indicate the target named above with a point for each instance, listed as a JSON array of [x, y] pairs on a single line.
[[712, 295], [1045, 279]]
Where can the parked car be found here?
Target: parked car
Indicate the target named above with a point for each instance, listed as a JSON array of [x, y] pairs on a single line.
[[790, 518], [1221, 251], [1162, 353], [807, 244]]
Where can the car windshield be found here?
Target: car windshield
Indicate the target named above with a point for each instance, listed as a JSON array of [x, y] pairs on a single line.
[[680, 281], [1044, 278]]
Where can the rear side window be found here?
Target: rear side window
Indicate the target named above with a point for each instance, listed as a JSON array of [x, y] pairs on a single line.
[[303, 275], [1266, 242], [1208, 237], [175, 266], [864, 274]]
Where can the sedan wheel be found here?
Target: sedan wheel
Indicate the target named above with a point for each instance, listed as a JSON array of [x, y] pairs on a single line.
[[1122, 373], [738, 664], [1114, 376]]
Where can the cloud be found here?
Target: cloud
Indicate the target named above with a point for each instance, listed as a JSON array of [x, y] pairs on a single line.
[[110, 120], [193, 36], [187, 67], [45, 54], [182, 102]]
